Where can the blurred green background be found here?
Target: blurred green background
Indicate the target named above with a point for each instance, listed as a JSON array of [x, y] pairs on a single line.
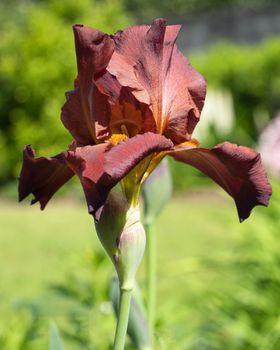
[[219, 281]]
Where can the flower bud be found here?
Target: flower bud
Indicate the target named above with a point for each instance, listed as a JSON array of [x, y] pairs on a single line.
[[122, 236], [156, 192]]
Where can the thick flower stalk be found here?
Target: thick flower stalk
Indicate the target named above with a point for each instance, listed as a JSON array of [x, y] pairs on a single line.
[[136, 99], [123, 237]]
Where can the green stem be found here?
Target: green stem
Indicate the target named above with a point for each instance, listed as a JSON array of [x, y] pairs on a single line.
[[124, 307], [151, 278]]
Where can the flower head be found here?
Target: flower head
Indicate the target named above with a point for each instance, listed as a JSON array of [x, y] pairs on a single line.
[[137, 99]]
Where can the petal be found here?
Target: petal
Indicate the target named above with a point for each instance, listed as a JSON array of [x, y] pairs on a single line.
[[125, 108], [42, 176], [88, 121], [127, 154], [237, 169], [86, 111], [184, 93], [147, 60], [73, 118], [93, 50], [102, 166]]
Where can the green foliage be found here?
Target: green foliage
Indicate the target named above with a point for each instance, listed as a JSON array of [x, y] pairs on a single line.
[[55, 339], [241, 313], [20, 331], [38, 67], [180, 8], [252, 74], [218, 279]]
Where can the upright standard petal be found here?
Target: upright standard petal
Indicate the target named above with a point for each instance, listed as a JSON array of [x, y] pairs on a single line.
[[237, 169], [126, 110], [42, 176], [147, 60], [102, 166], [86, 111], [86, 128]]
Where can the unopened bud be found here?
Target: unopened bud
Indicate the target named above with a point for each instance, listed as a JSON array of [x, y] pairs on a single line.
[[123, 237], [156, 191]]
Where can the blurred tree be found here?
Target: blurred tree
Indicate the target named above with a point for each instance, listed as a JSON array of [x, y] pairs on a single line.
[[148, 9], [37, 66], [252, 74]]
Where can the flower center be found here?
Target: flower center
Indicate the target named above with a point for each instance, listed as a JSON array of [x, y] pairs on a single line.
[[193, 143], [126, 118], [117, 138]]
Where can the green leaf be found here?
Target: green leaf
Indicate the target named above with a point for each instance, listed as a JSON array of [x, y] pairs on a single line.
[[55, 339]]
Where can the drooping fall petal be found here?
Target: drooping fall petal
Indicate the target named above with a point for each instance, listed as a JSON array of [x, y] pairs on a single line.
[[86, 111], [102, 166], [42, 176], [147, 60], [88, 163], [237, 169]]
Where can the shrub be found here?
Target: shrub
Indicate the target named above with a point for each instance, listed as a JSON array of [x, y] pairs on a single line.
[[38, 67]]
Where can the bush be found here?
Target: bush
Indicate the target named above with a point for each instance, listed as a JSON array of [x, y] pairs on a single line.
[[38, 68], [252, 74], [244, 315]]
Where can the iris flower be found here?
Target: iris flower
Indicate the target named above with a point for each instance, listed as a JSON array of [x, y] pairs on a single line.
[[137, 99]]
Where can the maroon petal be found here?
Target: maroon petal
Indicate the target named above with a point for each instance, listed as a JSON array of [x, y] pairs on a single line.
[[93, 50], [147, 60], [102, 166], [237, 169], [87, 121], [73, 118], [185, 91], [42, 176], [125, 108], [121, 159], [86, 111]]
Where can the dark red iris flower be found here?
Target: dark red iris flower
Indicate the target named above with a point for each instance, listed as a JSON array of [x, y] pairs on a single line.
[[137, 99]]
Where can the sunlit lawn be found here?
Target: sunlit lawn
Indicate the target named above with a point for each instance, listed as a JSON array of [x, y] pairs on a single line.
[[39, 248]]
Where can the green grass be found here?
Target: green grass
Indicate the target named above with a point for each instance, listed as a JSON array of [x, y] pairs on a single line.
[[197, 238], [39, 247]]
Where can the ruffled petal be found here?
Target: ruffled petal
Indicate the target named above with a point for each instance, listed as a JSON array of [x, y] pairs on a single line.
[[102, 166], [93, 50], [86, 127], [147, 60], [126, 110], [86, 111], [237, 169], [184, 91], [73, 118], [42, 176]]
